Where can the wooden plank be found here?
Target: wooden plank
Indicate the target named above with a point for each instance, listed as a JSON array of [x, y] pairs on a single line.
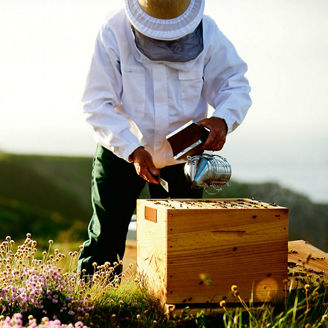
[[306, 263], [209, 231], [274, 253], [185, 220], [303, 253]]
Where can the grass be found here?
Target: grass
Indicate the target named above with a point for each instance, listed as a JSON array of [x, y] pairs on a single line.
[[39, 283]]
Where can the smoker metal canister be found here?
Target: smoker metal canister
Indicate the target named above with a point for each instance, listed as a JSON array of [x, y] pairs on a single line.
[[207, 170]]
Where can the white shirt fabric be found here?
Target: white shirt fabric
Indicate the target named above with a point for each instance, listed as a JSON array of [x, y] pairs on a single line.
[[131, 101]]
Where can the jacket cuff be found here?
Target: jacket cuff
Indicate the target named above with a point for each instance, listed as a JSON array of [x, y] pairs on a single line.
[[230, 121], [129, 150]]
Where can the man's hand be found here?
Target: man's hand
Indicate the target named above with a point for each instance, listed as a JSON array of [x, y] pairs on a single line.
[[218, 133], [144, 165]]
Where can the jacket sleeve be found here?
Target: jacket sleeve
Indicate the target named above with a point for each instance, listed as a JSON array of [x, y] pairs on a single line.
[[225, 87], [102, 98]]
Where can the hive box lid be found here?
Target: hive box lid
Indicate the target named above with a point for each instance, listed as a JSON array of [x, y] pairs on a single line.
[[212, 203]]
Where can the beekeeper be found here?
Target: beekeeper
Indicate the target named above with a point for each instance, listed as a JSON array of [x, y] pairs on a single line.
[[157, 64]]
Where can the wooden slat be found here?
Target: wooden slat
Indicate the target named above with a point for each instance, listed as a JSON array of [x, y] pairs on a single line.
[[185, 220], [213, 230], [303, 253], [306, 261]]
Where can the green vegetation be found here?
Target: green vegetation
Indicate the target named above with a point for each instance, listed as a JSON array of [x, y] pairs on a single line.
[[53, 183], [47, 195], [50, 197], [38, 284]]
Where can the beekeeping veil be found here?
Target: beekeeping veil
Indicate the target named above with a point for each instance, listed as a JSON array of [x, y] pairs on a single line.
[[168, 30]]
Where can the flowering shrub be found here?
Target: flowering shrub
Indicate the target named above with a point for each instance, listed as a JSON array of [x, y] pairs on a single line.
[[17, 322], [39, 286], [46, 285]]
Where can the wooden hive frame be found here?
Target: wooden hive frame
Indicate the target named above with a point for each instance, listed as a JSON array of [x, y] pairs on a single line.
[[190, 252]]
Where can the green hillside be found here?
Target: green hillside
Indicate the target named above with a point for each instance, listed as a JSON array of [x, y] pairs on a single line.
[[44, 195], [49, 196], [48, 182]]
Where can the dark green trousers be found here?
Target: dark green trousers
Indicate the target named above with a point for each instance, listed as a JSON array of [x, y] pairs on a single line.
[[115, 188]]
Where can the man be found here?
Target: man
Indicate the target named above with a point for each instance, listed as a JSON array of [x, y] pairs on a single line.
[[157, 65]]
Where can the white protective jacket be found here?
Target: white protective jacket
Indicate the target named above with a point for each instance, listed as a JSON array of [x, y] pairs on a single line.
[[131, 101]]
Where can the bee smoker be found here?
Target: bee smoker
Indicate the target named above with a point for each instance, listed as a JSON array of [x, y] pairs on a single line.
[[207, 171]]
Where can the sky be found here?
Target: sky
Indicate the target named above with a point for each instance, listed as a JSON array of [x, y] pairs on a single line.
[[46, 49]]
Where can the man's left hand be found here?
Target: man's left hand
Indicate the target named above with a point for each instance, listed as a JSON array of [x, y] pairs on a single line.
[[217, 135]]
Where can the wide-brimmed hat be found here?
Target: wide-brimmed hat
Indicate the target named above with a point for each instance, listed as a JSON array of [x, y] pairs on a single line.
[[165, 29]]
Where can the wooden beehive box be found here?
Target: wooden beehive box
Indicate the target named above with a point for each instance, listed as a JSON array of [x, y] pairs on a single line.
[[193, 251]]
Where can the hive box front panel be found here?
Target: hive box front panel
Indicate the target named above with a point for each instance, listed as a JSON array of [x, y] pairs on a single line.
[[193, 251]]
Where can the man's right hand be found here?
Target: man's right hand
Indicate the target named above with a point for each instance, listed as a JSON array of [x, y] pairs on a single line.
[[143, 163]]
